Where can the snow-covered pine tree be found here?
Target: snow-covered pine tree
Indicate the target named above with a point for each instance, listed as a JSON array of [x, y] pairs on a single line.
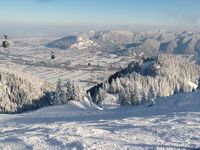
[[79, 93], [118, 85], [100, 96], [113, 88], [151, 97], [133, 97], [59, 97], [69, 90], [66, 91], [124, 97], [198, 84]]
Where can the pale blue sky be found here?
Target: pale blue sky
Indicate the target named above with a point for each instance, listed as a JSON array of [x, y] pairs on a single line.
[[100, 12], [16, 13]]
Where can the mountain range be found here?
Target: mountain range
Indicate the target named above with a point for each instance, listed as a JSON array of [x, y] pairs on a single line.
[[133, 43]]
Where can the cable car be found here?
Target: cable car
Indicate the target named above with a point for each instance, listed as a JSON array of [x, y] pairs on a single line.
[[5, 43], [52, 55]]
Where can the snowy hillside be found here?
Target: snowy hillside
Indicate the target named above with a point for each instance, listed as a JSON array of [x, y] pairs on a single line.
[[148, 78], [149, 47], [20, 92], [173, 123], [73, 42], [93, 39], [117, 37]]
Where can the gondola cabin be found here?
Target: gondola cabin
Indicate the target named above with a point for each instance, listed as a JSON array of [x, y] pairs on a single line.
[[52, 55], [5, 43]]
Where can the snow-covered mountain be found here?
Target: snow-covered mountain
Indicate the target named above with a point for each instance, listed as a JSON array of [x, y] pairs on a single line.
[[93, 39], [131, 43], [73, 42], [107, 38], [20, 92]]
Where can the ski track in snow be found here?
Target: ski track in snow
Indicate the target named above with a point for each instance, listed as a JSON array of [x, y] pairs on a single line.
[[75, 127]]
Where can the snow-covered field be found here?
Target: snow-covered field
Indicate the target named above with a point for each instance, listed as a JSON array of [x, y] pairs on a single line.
[[30, 55], [171, 124]]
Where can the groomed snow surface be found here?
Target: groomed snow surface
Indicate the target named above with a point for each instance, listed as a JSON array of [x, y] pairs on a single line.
[[172, 123]]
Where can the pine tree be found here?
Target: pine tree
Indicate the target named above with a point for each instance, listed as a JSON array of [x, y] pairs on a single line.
[[198, 84], [59, 94], [124, 97], [66, 91], [133, 97], [79, 94], [151, 97], [118, 85], [113, 88], [100, 96], [70, 90]]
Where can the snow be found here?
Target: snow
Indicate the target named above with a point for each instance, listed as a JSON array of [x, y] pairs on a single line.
[[172, 123], [83, 43], [192, 85], [122, 42], [30, 55], [18, 90], [73, 42]]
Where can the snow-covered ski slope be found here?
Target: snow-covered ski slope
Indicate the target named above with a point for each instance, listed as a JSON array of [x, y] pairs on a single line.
[[173, 123]]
